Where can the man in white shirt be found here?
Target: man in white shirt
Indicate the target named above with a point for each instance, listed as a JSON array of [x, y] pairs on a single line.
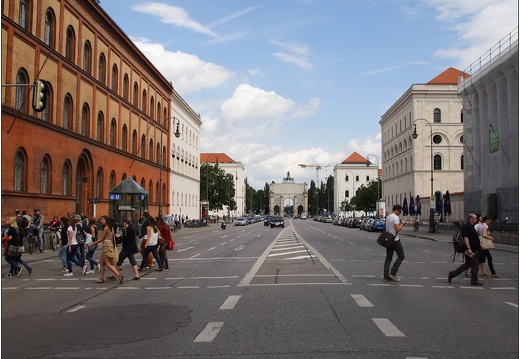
[[394, 226]]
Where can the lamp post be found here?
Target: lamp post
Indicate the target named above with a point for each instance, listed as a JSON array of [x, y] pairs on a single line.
[[377, 178], [177, 135], [208, 159], [352, 195], [414, 136], [318, 167]]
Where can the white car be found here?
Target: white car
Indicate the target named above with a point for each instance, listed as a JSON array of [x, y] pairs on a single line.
[[241, 221]]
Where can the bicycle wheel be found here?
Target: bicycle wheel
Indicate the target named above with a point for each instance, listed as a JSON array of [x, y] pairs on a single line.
[[54, 242], [31, 245]]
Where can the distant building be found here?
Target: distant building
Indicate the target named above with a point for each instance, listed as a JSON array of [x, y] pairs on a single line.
[[237, 170], [490, 96], [184, 160], [407, 162], [288, 193], [349, 175]]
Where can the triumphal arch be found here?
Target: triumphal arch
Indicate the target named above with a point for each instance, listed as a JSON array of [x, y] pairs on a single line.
[[288, 190]]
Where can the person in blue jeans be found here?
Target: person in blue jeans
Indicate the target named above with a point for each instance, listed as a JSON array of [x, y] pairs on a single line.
[[92, 230], [12, 239], [72, 247], [64, 241], [152, 237]]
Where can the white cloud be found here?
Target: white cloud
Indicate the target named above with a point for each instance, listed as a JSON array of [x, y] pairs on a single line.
[[479, 25], [251, 103], [174, 15], [297, 54], [187, 72]]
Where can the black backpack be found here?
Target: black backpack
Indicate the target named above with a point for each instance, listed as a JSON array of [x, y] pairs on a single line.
[[459, 245], [79, 236]]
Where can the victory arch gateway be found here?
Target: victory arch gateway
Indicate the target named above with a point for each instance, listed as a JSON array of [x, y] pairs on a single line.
[[287, 192]]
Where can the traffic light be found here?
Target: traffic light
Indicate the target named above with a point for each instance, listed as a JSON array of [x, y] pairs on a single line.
[[40, 95]]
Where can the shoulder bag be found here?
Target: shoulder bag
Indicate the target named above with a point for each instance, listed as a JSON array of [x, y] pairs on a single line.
[[486, 243], [386, 239]]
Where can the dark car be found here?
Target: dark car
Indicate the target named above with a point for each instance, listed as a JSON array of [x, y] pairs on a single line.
[[267, 220], [277, 221], [356, 221], [378, 225]]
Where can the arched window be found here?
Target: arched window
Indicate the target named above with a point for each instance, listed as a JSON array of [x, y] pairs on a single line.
[[114, 78], [22, 103], [151, 107], [50, 26], [368, 178], [124, 138], [158, 153], [66, 178], [45, 176], [357, 178], [159, 112], [462, 162], [67, 112], [112, 180], [150, 150], [134, 143], [113, 132], [347, 194], [25, 14], [125, 87], [102, 69], [100, 125], [85, 116], [19, 171], [144, 101], [150, 190], [99, 183], [87, 57], [437, 115], [143, 147], [437, 162], [136, 94], [70, 44]]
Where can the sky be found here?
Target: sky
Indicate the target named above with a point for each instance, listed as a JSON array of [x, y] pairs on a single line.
[[283, 82]]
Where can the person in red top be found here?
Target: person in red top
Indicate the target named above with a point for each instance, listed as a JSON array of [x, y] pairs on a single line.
[[167, 235]]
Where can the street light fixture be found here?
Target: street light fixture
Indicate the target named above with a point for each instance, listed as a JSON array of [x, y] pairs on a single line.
[[377, 178], [177, 135], [318, 167], [431, 221]]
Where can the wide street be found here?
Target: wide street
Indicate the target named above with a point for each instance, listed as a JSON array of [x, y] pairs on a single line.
[[309, 290]]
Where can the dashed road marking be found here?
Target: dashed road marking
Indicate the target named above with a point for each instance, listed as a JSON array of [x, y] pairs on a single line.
[[362, 301], [230, 302], [512, 304], [209, 333], [79, 307], [387, 327]]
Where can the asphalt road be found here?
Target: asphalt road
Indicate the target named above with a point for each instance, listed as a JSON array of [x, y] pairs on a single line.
[[309, 290]]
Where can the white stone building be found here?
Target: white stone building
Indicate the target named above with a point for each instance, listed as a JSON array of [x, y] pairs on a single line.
[[237, 170], [184, 160], [407, 162], [490, 95], [349, 175]]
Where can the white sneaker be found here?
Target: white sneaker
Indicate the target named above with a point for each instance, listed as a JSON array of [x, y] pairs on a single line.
[[20, 272], [394, 278], [64, 270], [90, 272], [84, 270], [70, 274]]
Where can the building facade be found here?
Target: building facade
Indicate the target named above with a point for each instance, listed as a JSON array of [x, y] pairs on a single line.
[[490, 96], [237, 170], [107, 115], [435, 159], [286, 193], [349, 175], [184, 160]]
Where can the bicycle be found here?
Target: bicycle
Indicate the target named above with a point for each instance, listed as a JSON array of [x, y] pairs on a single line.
[[55, 238], [416, 226], [31, 241]]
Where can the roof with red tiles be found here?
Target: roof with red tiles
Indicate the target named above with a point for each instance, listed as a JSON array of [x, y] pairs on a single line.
[[355, 158], [448, 77], [215, 157]]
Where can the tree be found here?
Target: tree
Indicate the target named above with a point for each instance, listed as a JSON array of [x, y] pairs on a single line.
[[220, 187], [367, 196]]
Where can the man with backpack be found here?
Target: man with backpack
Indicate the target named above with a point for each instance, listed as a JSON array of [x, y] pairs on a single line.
[[472, 254]]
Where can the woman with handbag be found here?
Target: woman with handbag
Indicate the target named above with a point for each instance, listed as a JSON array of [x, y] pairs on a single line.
[[483, 231], [72, 247], [166, 234], [127, 238], [12, 243], [109, 256], [152, 238], [90, 236]]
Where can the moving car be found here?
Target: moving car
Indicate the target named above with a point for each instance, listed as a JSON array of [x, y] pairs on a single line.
[[267, 220], [241, 221], [277, 221], [303, 216]]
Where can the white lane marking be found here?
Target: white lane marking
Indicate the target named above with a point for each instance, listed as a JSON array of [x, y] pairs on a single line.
[[66, 288], [188, 287], [472, 287], [502, 288], [217, 286], [209, 332], [125, 288], [387, 327], [157, 288], [185, 249], [228, 277], [411, 285], [212, 248], [443, 286], [230, 302], [364, 275], [223, 244], [512, 304], [45, 279], [300, 257], [10, 288], [196, 255], [286, 248], [79, 307], [361, 300]]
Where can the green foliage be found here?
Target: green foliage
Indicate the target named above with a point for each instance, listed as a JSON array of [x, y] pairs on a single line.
[[220, 187]]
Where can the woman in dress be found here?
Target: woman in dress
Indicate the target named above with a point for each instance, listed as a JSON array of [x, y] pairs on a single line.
[[107, 238], [152, 237], [128, 240], [165, 231]]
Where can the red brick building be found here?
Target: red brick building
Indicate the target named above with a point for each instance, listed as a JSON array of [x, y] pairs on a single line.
[[108, 112]]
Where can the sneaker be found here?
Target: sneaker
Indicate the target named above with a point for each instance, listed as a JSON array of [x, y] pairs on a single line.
[[97, 267], [394, 278], [450, 277], [90, 272], [70, 274], [8, 275], [20, 272], [64, 270], [84, 270], [478, 283], [388, 278], [29, 270]]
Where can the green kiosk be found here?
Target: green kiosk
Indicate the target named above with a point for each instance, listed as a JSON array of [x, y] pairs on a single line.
[[128, 200]]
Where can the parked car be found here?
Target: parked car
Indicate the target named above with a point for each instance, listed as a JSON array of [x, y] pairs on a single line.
[[378, 225], [368, 224], [241, 221], [303, 216], [277, 221], [356, 222], [362, 225]]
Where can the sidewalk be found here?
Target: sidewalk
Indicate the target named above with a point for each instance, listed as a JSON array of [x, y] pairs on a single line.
[[447, 236]]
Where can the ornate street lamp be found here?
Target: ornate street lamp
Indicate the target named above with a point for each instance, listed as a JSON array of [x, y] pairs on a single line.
[[431, 227]]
